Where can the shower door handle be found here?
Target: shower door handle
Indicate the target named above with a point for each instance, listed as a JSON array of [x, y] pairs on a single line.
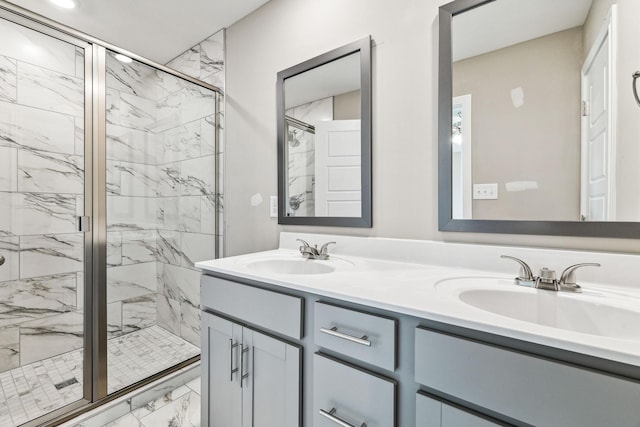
[[2, 260]]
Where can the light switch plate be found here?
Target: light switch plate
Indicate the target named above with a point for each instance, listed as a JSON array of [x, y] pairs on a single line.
[[485, 191], [273, 206]]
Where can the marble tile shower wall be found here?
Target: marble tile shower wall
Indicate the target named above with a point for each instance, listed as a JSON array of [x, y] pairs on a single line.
[[41, 193], [161, 191], [179, 304]]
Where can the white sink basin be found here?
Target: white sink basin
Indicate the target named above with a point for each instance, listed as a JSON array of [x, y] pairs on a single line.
[[297, 266], [593, 313]]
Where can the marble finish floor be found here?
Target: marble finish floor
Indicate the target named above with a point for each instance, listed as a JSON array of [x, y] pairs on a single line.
[[178, 408], [33, 390]]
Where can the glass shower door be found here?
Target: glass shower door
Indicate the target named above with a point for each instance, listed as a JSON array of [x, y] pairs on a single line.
[[42, 196], [161, 188]]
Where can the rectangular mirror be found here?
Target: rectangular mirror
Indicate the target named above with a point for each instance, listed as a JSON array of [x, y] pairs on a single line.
[[324, 139], [538, 123]]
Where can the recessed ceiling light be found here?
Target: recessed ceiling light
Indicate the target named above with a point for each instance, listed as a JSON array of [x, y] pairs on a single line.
[[65, 4], [120, 57]]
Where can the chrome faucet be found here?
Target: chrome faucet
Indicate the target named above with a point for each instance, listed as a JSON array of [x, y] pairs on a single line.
[[312, 252], [525, 278], [568, 277], [546, 279]]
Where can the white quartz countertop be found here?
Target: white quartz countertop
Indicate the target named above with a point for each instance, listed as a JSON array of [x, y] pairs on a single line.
[[432, 292]]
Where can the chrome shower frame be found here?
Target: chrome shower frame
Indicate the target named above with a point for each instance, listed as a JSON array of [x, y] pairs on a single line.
[[95, 240]]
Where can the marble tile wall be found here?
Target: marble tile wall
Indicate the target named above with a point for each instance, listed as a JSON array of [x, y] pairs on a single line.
[[132, 190], [41, 194], [188, 201], [206, 61], [162, 199]]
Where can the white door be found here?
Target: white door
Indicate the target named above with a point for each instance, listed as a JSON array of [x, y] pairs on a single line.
[[598, 145], [337, 176]]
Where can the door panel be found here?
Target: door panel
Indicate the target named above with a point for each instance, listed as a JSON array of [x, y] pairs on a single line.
[[221, 341], [597, 173], [338, 189], [271, 392]]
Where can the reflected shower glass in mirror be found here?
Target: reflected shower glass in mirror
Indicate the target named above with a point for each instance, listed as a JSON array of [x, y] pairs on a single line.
[[324, 117], [544, 125]]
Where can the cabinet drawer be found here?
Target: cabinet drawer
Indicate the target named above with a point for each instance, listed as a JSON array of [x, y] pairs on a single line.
[[342, 393], [434, 413], [267, 309], [369, 338], [523, 387]]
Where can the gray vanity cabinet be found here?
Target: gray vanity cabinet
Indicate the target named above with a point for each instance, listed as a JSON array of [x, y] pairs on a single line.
[[314, 361], [253, 379]]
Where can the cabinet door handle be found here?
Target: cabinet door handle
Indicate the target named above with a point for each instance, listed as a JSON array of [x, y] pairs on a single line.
[[363, 340], [243, 374], [330, 415], [232, 370]]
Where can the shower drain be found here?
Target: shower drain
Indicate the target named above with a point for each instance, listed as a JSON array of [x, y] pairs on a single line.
[[66, 383]]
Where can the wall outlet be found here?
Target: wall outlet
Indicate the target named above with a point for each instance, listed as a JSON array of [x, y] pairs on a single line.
[[273, 206], [485, 191]]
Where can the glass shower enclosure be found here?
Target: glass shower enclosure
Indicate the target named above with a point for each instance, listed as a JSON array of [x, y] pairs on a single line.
[[107, 198]]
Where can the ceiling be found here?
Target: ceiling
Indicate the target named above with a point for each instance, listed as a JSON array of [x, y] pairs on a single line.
[[505, 23], [159, 30], [330, 79]]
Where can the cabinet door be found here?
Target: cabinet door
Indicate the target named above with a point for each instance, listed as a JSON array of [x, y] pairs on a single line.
[[271, 383], [221, 393]]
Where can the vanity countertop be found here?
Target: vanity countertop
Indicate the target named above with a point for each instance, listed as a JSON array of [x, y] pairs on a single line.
[[432, 291]]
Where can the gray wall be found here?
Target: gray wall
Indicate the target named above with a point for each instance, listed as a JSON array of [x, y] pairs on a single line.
[[347, 106], [279, 35], [509, 143]]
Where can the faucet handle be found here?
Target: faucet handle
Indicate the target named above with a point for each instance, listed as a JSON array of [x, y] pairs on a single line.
[[323, 248], [525, 278], [304, 243], [568, 277]]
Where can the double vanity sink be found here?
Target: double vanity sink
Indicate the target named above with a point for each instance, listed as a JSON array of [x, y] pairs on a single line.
[[594, 312], [476, 299], [461, 344]]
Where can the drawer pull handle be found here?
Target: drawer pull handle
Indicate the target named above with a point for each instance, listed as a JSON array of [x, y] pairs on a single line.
[[334, 332], [243, 374], [337, 420], [232, 370]]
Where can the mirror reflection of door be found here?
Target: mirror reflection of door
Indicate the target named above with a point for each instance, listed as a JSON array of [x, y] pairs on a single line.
[[461, 176], [597, 195], [337, 169]]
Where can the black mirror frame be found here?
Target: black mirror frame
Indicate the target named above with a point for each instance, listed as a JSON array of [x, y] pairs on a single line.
[[445, 220], [365, 220]]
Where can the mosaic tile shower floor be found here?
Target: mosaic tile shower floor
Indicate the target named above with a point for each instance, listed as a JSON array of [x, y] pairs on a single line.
[[33, 390]]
